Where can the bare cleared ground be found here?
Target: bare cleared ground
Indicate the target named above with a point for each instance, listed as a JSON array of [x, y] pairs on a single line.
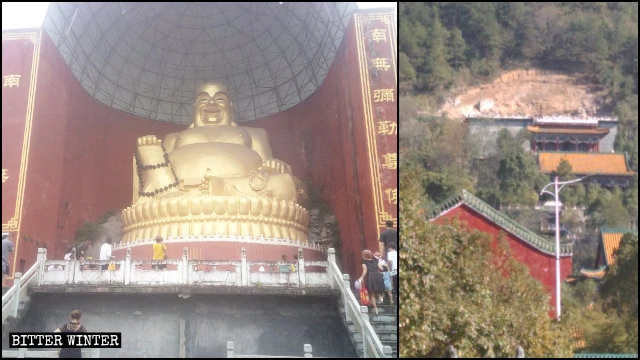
[[528, 93]]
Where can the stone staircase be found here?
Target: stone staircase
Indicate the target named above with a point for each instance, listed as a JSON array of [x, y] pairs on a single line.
[[385, 325], [10, 323]]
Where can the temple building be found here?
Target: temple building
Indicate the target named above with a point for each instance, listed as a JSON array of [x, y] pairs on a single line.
[[609, 243], [549, 133], [570, 134], [528, 248], [608, 169]]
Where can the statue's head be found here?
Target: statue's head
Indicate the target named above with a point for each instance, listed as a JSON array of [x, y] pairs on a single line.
[[212, 105]]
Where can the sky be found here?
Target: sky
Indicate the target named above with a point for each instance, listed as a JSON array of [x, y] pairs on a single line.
[[29, 15]]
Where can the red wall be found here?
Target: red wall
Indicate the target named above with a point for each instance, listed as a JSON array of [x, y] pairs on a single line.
[[80, 159], [541, 266], [81, 154]]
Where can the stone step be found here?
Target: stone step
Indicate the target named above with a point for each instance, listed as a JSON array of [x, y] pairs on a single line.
[[383, 318], [394, 353], [392, 343], [388, 336], [377, 327]]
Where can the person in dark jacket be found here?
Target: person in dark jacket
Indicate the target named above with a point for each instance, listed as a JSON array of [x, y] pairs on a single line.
[[72, 326]]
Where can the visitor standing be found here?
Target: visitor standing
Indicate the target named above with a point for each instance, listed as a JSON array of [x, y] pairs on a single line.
[[372, 277], [7, 248], [105, 253], [159, 253], [70, 254], [386, 277], [72, 326], [388, 237], [392, 257]]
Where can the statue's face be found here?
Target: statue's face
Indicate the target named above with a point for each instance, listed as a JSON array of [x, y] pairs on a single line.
[[212, 106]]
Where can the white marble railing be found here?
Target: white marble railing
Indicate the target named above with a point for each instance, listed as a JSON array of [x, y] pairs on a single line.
[[222, 238], [354, 313], [184, 272], [19, 291]]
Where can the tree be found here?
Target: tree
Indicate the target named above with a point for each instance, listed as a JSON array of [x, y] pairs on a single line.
[[507, 143], [460, 291], [517, 173], [407, 73], [564, 170], [614, 213], [457, 48], [436, 73]]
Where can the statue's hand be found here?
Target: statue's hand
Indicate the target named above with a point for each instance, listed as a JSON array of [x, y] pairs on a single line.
[[150, 150], [276, 166], [149, 140]]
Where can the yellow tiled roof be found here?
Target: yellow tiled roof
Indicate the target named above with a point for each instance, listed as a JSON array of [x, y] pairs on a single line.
[[585, 163], [538, 129], [611, 243], [596, 274]]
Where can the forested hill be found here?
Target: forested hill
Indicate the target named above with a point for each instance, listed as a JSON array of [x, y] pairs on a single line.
[[441, 41], [445, 46]]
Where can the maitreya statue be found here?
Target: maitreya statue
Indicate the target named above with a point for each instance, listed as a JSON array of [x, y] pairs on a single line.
[[213, 178]]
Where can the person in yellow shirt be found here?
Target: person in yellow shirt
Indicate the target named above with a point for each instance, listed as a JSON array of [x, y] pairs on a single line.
[[159, 253]]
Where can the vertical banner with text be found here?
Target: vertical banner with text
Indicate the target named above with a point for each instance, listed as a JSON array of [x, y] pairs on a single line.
[[20, 53], [376, 34]]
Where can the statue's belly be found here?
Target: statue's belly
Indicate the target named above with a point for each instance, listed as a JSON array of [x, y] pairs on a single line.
[[190, 162]]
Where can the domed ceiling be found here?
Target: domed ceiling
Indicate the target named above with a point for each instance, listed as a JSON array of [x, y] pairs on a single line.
[[149, 58]]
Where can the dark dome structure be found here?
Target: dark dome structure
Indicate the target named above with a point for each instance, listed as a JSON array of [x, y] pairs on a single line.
[[148, 58]]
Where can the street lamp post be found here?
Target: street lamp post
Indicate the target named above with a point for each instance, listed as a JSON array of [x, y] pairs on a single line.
[[555, 184]]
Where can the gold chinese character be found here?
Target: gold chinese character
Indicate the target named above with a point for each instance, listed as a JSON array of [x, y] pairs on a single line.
[[5, 175], [392, 195], [390, 160], [380, 63], [387, 127], [383, 18], [378, 35], [11, 80], [383, 95]]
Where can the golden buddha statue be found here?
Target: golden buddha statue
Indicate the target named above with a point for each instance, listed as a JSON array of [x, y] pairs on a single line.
[[213, 178]]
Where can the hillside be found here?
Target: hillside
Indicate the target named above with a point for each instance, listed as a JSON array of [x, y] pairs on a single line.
[[528, 92]]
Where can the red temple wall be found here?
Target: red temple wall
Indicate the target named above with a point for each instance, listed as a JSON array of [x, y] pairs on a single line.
[[541, 266]]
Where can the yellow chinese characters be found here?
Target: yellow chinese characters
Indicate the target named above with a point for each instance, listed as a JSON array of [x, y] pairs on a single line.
[[383, 95], [386, 127], [392, 195], [379, 35], [390, 160], [381, 63], [11, 80]]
